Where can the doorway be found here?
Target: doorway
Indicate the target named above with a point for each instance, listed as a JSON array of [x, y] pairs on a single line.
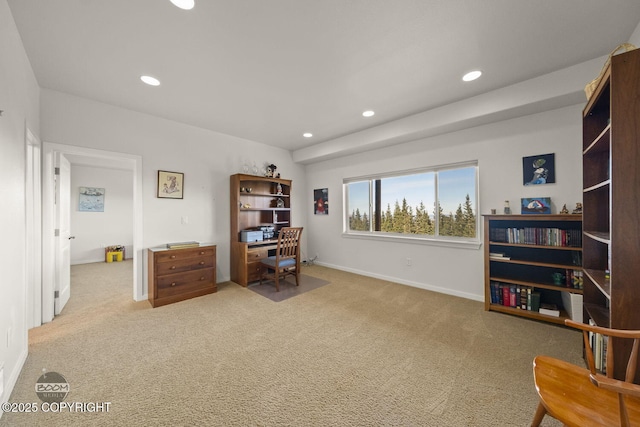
[[51, 265]]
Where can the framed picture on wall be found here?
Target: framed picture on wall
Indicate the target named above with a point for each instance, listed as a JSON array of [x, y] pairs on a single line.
[[540, 169], [91, 199], [321, 201], [170, 185]]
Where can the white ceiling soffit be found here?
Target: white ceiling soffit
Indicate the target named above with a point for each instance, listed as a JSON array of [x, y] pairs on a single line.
[[269, 71]]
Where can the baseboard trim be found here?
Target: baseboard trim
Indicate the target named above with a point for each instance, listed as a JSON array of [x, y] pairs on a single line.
[[424, 286], [13, 377]]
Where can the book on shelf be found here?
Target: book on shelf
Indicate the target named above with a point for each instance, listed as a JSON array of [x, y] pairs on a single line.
[[499, 255], [549, 310], [535, 301], [183, 245]]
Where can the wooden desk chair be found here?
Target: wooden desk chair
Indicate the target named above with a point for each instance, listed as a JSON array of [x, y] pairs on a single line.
[[287, 258], [585, 397]]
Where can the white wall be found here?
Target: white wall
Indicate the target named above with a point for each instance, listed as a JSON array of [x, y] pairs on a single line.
[[19, 101], [206, 158], [95, 230], [635, 37], [497, 147]]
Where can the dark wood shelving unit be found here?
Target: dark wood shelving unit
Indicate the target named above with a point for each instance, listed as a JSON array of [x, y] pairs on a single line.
[[611, 201], [532, 262], [254, 203]]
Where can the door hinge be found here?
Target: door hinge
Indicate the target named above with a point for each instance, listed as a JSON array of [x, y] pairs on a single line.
[[56, 171], [56, 232], [56, 294]]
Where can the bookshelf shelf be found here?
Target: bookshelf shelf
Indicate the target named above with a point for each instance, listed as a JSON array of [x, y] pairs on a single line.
[[536, 257], [531, 314], [610, 185]]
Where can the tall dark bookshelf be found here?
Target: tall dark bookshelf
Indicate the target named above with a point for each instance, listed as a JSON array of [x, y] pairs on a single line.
[[611, 200]]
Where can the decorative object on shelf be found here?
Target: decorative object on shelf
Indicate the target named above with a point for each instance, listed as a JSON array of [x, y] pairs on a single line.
[[507, 208], [564, 210], [245, 189], [493, 211], [245, 168], [170, 185], [558, 278], [321, 201], [540, 205], [280, 203], [578, 209], [91, 199], [255, 168], [279, 189], [538, 169], [271, 171], [593, 84]]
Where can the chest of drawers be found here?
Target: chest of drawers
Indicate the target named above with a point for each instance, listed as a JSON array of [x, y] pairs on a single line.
[[179, 274]]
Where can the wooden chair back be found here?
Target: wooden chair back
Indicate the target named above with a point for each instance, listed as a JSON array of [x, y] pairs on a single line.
[[288, 243]]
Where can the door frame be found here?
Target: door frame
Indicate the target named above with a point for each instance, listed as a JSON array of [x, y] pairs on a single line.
[[49, 247], [33, 230]]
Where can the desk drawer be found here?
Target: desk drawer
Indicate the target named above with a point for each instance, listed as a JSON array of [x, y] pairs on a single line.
[[256, 254], [174, 284], [176, 266], [180, 254], [253, 271]]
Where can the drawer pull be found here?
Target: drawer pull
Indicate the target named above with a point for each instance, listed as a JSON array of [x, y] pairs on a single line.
[[172, 257], [173, 267], [173, 284], [201, 262], [202, 278], [201, 252]]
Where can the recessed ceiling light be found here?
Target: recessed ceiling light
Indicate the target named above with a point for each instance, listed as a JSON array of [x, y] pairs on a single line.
[[184, 4], [472, 75], [151, 81], [368, 113], [307, 135]]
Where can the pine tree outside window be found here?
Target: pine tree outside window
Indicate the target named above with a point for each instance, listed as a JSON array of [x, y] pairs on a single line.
[[430, 204]]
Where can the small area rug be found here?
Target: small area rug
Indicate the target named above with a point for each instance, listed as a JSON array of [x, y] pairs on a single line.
[[288, 288]]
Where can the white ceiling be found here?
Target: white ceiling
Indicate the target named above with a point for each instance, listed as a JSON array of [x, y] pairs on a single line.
[[270, 70]]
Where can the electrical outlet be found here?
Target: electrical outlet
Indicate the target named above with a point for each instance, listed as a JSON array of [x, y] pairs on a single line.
[[184, 220], [408, 262]]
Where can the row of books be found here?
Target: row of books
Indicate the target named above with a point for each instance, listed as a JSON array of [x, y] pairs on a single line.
[[599, 345], [537, 236], [574, 279], [521, 297]]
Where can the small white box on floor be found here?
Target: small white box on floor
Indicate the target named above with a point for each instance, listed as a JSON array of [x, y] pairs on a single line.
[[573, 305]]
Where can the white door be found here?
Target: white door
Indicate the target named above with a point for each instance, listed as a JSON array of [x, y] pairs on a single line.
[[62, 290]]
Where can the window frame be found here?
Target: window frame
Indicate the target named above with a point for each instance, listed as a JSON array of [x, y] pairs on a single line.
[[436, 240]]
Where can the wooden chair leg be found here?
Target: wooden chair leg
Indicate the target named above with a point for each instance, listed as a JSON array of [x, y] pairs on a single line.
[[540, 413], [277, 277], [297, 274]]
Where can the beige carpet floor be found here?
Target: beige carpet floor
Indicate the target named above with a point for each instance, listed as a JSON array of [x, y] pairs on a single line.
[[355, 352]]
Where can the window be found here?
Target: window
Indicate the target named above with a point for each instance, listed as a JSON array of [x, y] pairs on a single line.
[[430, 204]]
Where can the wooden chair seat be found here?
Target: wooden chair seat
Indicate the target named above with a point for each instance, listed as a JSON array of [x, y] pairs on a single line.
[[569, 395]]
